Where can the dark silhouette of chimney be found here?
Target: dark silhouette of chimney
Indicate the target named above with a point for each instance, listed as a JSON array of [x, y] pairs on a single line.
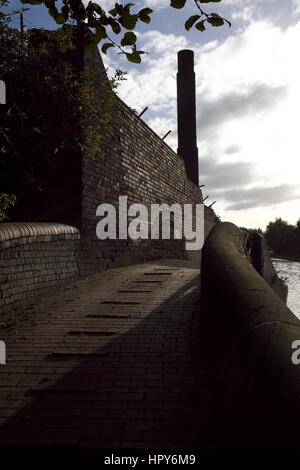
[[186, 114]]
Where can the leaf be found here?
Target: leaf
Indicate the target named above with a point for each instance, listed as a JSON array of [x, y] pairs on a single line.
[[200, 26], [145, 19], [145, 11], [65, 10], [34, 2], [49, 3], [129, 39], [114, 25], [216, 21], [128, 5], [134, 57], [23, 115], [79, 11], [117, 10], [128, 21], [106, 46], [97, 8], [192, 20], [178, 3], [53, 12], [144, 15], [100, 33], [61, 18], [113, 12]]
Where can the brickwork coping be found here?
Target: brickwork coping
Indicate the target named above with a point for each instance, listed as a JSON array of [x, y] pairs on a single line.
[[14, 230], [35, 259]]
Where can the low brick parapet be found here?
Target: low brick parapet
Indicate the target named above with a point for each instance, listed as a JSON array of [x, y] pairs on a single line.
[[19, 230], [35, 258]]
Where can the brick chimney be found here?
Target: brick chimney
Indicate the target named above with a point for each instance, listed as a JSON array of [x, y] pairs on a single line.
[[186, 114]]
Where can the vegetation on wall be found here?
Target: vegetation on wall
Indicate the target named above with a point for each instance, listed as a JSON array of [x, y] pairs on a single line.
[[47, 98], [46, 111]]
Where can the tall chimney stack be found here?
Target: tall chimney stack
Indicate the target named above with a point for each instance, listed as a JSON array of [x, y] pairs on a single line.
[[186, 114]]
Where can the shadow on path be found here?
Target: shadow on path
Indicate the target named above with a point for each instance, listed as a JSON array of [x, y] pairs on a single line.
[[120, 373]]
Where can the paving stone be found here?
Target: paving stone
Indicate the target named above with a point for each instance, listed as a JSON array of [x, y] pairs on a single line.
[[133, 389]]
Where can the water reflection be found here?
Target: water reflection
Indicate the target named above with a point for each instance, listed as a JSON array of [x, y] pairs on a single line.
[[290, 271]]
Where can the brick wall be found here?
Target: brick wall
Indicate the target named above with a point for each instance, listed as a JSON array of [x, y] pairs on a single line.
[[135, 162], [35, 258], [210, 220], [132, 161]]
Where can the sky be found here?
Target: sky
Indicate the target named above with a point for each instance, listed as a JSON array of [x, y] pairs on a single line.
[[248, 99]]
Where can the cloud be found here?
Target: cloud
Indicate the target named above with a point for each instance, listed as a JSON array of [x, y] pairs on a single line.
[[246, 14], [155, 4], [105, 4], [256, 100], [233, 149], [296, 4], [239, 3], [138, 4], [248, 111], [225, 175], [259, 196], [153, 83]]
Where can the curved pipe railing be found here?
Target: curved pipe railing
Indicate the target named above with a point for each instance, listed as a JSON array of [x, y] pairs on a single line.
[[247, 333]]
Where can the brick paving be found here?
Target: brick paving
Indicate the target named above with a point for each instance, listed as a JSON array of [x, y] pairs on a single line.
[[109, 362]]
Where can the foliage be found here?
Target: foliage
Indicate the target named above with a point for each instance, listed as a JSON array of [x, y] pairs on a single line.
[[51, 107], [259, 230], [101, 23], [283, 238], [6, 201]]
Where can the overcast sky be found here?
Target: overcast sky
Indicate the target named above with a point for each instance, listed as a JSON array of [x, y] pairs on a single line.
[[248, 99]]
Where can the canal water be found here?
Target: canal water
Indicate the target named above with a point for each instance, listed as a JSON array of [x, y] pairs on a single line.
[[290, 271]]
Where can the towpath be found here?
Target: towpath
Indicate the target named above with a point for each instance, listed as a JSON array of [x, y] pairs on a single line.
[[109, 362]]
